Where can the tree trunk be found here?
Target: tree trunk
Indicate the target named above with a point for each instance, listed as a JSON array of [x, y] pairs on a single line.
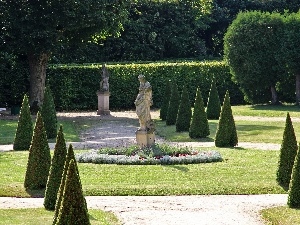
[[298, 89], [274, 96], [37, 67]]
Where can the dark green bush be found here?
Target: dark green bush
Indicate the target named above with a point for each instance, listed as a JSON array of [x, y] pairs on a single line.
[[288, 152], [184, 112], [70, 156], [165, 102], [56, 171], [199, 125], [39, 158], [173, 105], [73, 209], [213, 107], [226, 135], [25, 127], [294, 188], [48, 113]]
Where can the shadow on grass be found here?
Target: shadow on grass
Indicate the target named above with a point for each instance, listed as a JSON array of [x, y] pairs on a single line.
[[40, 193], [286, 108], [178, 167], [256, 127]]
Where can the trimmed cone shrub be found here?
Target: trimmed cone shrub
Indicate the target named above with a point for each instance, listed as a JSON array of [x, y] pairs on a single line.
[[199, 125], [73, 208], [288, 152], [173, 106], [39, 158], [69, 157], [184, 112], [49, 114], [213, 108], [56, 171], [24, 131], [165, 103], [226, 135], [294, 188]]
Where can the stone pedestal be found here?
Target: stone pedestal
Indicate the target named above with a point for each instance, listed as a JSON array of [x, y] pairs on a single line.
[[103, 103], [144, 139]]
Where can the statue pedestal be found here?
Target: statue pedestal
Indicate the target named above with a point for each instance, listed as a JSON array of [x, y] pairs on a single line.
[[103, 103], [144, 139]]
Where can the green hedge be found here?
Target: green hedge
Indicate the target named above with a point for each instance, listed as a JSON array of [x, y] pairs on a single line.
[[74, 87]]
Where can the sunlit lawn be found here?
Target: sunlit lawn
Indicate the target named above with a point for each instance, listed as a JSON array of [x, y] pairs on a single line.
[[282, 216]]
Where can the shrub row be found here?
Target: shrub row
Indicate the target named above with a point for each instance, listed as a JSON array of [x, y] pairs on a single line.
[[74, 87]]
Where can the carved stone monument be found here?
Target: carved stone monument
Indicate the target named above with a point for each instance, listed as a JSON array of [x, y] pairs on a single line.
[[103, 93], [145, 134]]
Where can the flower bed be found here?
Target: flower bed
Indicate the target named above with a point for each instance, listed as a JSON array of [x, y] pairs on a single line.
[[149, 156]]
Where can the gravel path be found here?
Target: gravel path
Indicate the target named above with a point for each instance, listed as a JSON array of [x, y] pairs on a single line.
[[118, 129]]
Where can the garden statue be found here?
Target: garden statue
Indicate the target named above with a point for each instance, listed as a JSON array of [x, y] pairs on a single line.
[[104, 85], [145, 133], [103, 93]]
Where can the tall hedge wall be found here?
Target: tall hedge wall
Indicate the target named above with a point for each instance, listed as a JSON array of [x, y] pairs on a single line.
[[75, 87]]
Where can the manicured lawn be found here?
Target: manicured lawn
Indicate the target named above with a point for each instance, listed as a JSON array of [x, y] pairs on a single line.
[[282, 215], [241, 172], [41, 216]]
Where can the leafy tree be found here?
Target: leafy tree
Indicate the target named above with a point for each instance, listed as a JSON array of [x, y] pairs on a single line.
[[289, 54], [48, 113], [213, 108], [199, 125], [250, 47], [173, 106], [288, 152], [39, 159], [38, 28], [226, 135], [25, 127], [184, 112], [70, 156], [166, 99], [56, 171], [73, 208], [294, 188]]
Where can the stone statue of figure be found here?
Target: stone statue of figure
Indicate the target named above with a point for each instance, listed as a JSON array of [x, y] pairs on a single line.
[[143, 102], [104, 85]]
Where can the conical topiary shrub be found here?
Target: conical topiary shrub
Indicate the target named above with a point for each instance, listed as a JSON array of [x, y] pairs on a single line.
[[173, 106], [226, 135], [69, 157], [294, 188], [56, 171], [165, 103], [184, 112], [287, 155], [199, 125], [49, 114], [73, 208], [213, 107], [24, 131], [39, 158]]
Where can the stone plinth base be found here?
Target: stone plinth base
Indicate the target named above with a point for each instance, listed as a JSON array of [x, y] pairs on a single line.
[[103, 103], [144, 139]]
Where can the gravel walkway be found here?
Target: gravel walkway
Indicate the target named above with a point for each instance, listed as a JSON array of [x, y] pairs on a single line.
[[118, 129]]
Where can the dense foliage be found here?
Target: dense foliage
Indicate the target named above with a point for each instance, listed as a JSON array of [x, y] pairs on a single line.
[[173, 105], [73, 209], [199, 124], [288, 152], [56, 171], [39, 158], [184, 114], [226, 134], [251, 49], [165, 102], [294, 188], [48, 113], [213, 107], [24, 130]]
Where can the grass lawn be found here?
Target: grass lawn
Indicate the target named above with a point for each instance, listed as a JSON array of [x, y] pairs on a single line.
[[41, 216], [281, 215]]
